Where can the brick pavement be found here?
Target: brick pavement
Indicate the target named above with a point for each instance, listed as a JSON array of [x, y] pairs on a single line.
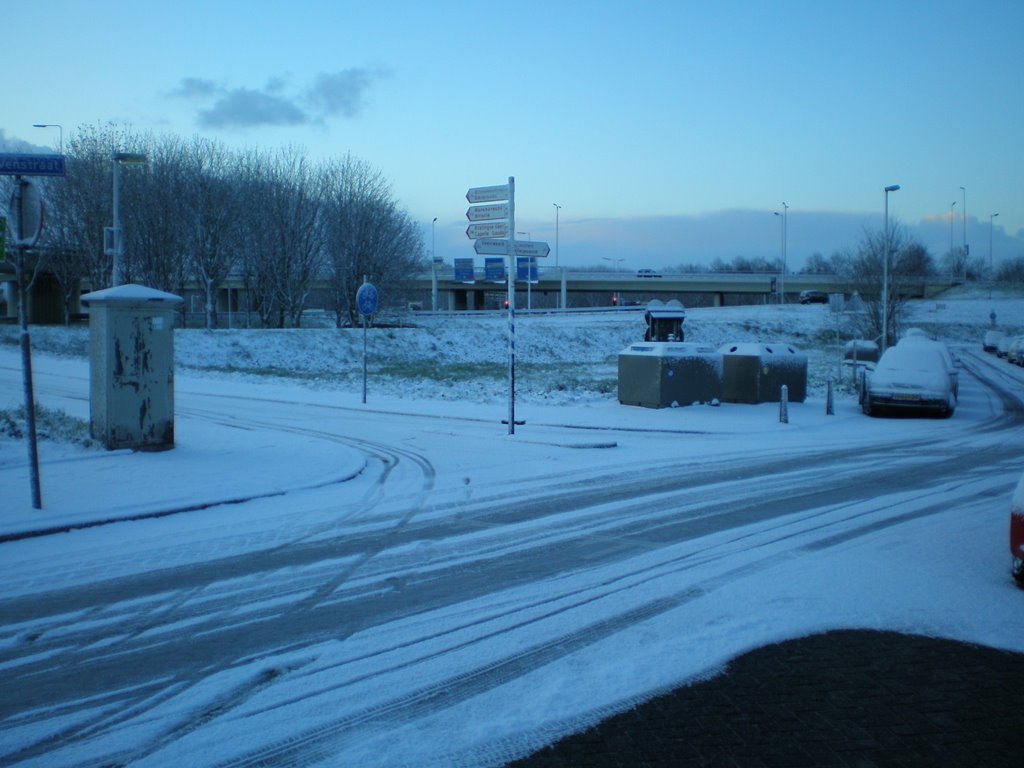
[[847, 698]]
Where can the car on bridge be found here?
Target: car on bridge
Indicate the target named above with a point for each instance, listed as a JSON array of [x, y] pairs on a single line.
[[813, 297], [647, 273]]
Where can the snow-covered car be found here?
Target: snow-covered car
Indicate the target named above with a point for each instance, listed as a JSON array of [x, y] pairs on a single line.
[[910, 378], [1015, 351], [920, 340], [1003, 346], [1017, 533], [991, 341]]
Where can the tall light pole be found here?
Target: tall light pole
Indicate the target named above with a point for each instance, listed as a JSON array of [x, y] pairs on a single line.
[[115, 243], [964, 214], [991, 224], [53, 125], [433, 268], [885, 271], [557, 209], [785, 236], [952, 218]]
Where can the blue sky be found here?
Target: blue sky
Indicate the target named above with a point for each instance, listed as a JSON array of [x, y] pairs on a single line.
[[669, 132]]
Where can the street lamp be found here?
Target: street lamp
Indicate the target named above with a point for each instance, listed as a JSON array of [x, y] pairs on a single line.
[[557, 209], [53, 125], [964, 214], [885, 271], [115, 240], [433, 268], [991, 223], [952, 218]]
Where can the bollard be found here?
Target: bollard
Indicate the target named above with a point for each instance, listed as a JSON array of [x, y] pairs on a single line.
[[784, 405], [829, 405]]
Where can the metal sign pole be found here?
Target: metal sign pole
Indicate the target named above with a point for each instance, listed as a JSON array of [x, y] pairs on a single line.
[[511, 259], [21, 237]]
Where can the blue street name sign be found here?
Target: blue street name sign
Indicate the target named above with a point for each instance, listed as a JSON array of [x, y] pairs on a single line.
[[12, 164]]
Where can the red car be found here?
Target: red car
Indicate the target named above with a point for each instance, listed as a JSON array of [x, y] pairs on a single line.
[[1017, 533]]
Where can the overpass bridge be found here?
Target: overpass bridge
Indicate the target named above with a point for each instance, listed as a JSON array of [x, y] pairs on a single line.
[[454, 295]]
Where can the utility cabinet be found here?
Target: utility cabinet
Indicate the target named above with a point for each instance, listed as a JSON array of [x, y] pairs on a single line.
[[131, 362]]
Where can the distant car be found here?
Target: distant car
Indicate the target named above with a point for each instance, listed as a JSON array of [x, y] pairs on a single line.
[[1015, 351], [647, 273], [1003, 346], [991, 341], [1017, 534], [813, 297], [910, 378]]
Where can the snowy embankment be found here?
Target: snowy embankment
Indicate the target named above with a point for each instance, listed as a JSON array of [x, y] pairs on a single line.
[[560, 358]]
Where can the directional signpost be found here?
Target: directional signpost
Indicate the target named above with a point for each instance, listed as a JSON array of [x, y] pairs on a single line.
[[489, 194], [498, 239], [487, 229], [488, 212]]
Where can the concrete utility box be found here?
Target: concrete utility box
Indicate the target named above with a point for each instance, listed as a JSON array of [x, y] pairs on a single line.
[[755, 372], [658, 374], [131, 361]]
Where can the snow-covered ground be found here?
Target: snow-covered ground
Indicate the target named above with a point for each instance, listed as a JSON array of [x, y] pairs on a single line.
[[276, 454]]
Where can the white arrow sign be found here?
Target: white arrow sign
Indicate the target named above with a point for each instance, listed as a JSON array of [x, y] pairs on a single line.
[[491, 247], [535, 248], [487, 212], [488, 194], [487, 229]]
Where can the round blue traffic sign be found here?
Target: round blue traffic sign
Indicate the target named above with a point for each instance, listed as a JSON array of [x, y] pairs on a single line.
[[367, 298]]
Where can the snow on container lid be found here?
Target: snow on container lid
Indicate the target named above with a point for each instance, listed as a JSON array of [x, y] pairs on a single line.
[[670, 349], [758, 349]]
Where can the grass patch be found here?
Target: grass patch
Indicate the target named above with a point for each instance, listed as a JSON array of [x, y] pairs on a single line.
[[51, 424]]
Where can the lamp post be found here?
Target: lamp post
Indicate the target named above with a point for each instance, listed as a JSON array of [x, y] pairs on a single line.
[[557, 209], [433, 268], [53, 125], [885, 271], [952, 218], [782, 249], [115, 243], [991, 224], [964, 214]]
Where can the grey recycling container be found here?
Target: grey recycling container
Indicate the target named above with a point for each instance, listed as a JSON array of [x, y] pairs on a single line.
[[663, 374], [754, 372]]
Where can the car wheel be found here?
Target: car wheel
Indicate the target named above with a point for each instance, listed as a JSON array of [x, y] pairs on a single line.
[[1018, 571]]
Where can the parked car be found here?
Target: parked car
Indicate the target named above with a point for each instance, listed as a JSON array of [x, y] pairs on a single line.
[[916, 337], [1015, 351], [813, 297], [991, 340], [1003, 346], [910, 378], [1017, 533], [647, 273]]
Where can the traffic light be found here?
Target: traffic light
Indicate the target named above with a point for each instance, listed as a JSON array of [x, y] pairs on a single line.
[[505, 304], [615, 301]]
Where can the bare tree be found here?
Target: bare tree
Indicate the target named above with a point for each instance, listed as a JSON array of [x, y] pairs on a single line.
[[367, 234], [864, 268], [284, 237], [213, 217]]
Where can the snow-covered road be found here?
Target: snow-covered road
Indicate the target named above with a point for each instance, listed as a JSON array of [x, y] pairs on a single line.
[[408, 585]]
